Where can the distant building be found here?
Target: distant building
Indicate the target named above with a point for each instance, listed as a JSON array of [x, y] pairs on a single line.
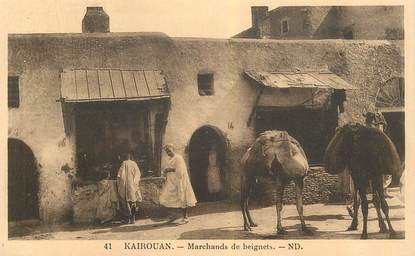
[[327, 22]]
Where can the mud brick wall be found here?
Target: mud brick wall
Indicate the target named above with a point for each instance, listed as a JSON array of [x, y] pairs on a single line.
[[39, 121], [319, 187], [150, 191], [85, 200]]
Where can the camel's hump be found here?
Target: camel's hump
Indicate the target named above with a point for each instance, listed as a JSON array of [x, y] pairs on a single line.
[[274, 135]]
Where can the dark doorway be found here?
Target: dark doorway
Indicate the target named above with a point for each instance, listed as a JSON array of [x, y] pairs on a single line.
[[207, 149], [23, 184], [396, 131], [313, 129]]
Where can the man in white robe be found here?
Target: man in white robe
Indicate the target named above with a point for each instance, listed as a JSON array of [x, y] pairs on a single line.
[[177, 191], [128, 181]]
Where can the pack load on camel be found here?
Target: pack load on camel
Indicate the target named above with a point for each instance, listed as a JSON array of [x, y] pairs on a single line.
[[368, 154], [277, 155]]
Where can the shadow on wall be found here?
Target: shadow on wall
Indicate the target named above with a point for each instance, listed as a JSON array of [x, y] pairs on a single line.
[[329, 27]]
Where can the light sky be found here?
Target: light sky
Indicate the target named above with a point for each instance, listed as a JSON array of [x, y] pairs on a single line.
[[177, 18]]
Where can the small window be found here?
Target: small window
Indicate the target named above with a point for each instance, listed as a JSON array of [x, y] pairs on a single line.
[[284, 26], [205, 84], [13, 91], [348, 33]]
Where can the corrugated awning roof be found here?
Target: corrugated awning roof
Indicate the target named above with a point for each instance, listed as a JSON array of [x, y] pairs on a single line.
[[89, 85], [299, 79]]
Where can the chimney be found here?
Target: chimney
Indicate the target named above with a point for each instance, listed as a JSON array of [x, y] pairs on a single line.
[[258, 14], [95, 20]]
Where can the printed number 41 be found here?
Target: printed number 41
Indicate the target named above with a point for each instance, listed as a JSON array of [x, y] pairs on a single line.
[[107, 246]]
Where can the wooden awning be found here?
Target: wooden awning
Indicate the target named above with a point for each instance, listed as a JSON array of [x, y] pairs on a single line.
[[298, 89], [94, 85], [299, 79]]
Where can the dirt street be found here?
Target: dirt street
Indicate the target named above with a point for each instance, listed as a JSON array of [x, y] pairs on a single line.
[[223, 220]]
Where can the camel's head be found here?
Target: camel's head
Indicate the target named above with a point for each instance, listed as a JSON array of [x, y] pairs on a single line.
[[375, 119]]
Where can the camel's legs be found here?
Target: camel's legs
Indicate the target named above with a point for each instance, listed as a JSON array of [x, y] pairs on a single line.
[[363, 198], [353, 225], [248, 214], [244, 196], [384, 205], [376, 202], [280, 193], [299, 185]]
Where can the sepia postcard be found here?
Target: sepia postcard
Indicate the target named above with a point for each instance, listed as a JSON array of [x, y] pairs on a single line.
[[207, 127]]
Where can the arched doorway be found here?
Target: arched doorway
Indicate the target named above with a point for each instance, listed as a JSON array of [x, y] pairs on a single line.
[[23, 184], [207, 149]]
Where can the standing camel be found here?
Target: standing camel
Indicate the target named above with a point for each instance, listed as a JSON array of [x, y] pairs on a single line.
[[275, 154], [376, 120], [369, 154]]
